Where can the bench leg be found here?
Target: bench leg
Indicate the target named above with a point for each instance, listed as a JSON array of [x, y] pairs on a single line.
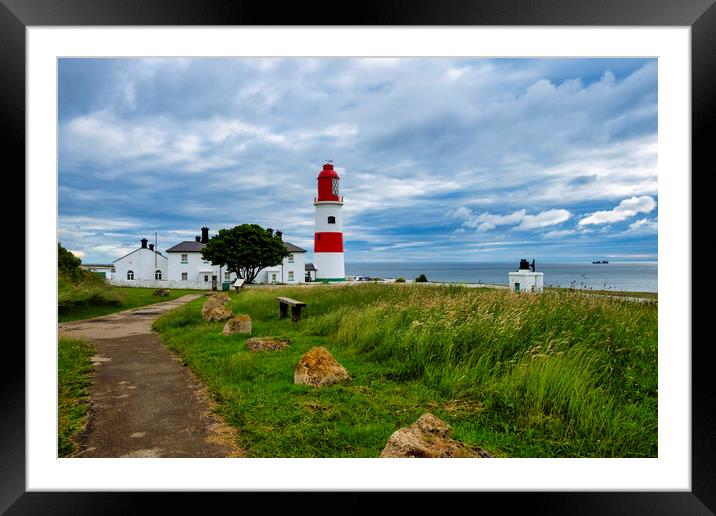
[[282, 310], [295, 313]]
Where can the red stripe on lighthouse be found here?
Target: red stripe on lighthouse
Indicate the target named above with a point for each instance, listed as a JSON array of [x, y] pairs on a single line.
[[328, 242]]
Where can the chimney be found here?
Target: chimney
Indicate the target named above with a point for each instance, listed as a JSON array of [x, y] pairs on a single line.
[[204, 235], [279, 234], [198, 238], [151, 247], [144, 243]]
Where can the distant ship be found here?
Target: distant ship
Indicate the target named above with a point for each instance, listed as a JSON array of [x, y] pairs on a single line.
[[601, 261]]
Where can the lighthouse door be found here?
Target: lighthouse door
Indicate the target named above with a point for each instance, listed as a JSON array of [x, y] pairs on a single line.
[[517, 287]]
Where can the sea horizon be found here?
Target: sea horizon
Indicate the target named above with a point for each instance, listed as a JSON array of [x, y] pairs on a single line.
[[630, 276]]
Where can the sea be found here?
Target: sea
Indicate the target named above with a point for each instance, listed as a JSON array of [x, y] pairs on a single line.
[[625, 276]]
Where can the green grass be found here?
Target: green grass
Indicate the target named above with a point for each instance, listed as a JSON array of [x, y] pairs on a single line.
[[90, 299], [74, 378], [553, 375]]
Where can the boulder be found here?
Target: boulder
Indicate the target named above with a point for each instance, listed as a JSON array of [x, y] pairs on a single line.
[[215, 312], [218, 298], [266, 344], [237, 324], [428, 437], [318, 368]]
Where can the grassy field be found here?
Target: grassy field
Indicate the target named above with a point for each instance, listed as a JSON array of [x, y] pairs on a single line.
[[553, 375], [93, 299], [74, 372]]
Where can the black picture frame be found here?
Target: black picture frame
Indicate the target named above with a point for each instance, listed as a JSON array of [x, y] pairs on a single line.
[[700, 15]]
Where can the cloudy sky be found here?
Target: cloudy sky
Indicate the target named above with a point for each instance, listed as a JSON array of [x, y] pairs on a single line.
[[440, 159]]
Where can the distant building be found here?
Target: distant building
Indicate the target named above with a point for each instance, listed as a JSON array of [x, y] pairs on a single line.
[[141, 267], [526, 279], [310, 272], [105, 270]]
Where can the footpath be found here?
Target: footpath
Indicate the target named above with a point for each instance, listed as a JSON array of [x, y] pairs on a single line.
[[144, 402]]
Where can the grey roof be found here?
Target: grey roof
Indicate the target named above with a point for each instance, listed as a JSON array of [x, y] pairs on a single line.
[[310, 267], [96, 265], [192, 246], [187, 246], [138, 249], [293, 248]]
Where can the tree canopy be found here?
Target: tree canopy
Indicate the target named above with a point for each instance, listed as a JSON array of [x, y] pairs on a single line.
[[245, 250], [67, 263]]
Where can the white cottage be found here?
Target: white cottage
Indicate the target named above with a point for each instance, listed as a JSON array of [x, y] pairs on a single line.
[[142, 267], [189, 269], [291, 271]]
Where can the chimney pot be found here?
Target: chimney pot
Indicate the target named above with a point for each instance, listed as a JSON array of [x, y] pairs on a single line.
[[198, 238], [204, 235], [144, 243], [151, 247]]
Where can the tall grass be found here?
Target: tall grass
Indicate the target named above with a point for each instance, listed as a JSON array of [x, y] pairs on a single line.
[[86, 290], [562, 374], [74, 378]]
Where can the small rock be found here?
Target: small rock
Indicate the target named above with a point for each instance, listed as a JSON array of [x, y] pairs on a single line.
[[428, 437], [161, 292], [318, 368], [215, 312], [266, 344], [238, 324]]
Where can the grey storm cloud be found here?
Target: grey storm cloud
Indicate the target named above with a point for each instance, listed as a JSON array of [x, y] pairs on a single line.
[[171, 145]]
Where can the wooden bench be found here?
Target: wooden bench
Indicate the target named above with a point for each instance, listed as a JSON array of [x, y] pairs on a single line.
[[284, 303]]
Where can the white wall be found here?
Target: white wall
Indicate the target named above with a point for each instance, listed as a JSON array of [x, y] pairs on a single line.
[[329, 265], [323, 211], [141, 262], [298, 267], [529, 281], [163, 284], [196, 269]]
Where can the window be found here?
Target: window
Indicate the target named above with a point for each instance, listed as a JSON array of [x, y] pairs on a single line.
[[334, 186], [331, 220], [184, 276], [227, 276], [158, 274], [290, 258], [184, 258], [114, 270], [290, 275], [130, 275], [206, 277]]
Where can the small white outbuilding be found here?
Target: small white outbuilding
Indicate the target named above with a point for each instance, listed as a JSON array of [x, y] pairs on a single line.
[[526, 279]]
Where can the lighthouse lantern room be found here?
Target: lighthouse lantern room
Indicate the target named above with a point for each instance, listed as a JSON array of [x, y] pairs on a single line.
[[328, 238]]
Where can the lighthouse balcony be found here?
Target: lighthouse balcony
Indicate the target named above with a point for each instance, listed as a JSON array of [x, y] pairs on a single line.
[[328, 201]]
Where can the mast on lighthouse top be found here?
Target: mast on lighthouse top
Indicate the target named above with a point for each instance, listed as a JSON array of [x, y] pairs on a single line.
[[328, 184]]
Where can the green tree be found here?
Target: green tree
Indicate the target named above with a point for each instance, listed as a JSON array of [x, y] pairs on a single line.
[[67, 263], [422, 278], [245, 250]]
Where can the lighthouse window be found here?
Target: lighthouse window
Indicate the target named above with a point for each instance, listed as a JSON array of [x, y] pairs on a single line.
[[334, 185], [331, 220]]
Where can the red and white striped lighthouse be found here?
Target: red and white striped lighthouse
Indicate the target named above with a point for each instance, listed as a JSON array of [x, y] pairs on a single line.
[[328, 239]]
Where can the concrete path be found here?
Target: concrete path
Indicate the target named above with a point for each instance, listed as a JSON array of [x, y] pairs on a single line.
[[144, 402]]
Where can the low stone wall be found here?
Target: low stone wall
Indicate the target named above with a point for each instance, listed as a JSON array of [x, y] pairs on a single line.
[[199, 285]]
